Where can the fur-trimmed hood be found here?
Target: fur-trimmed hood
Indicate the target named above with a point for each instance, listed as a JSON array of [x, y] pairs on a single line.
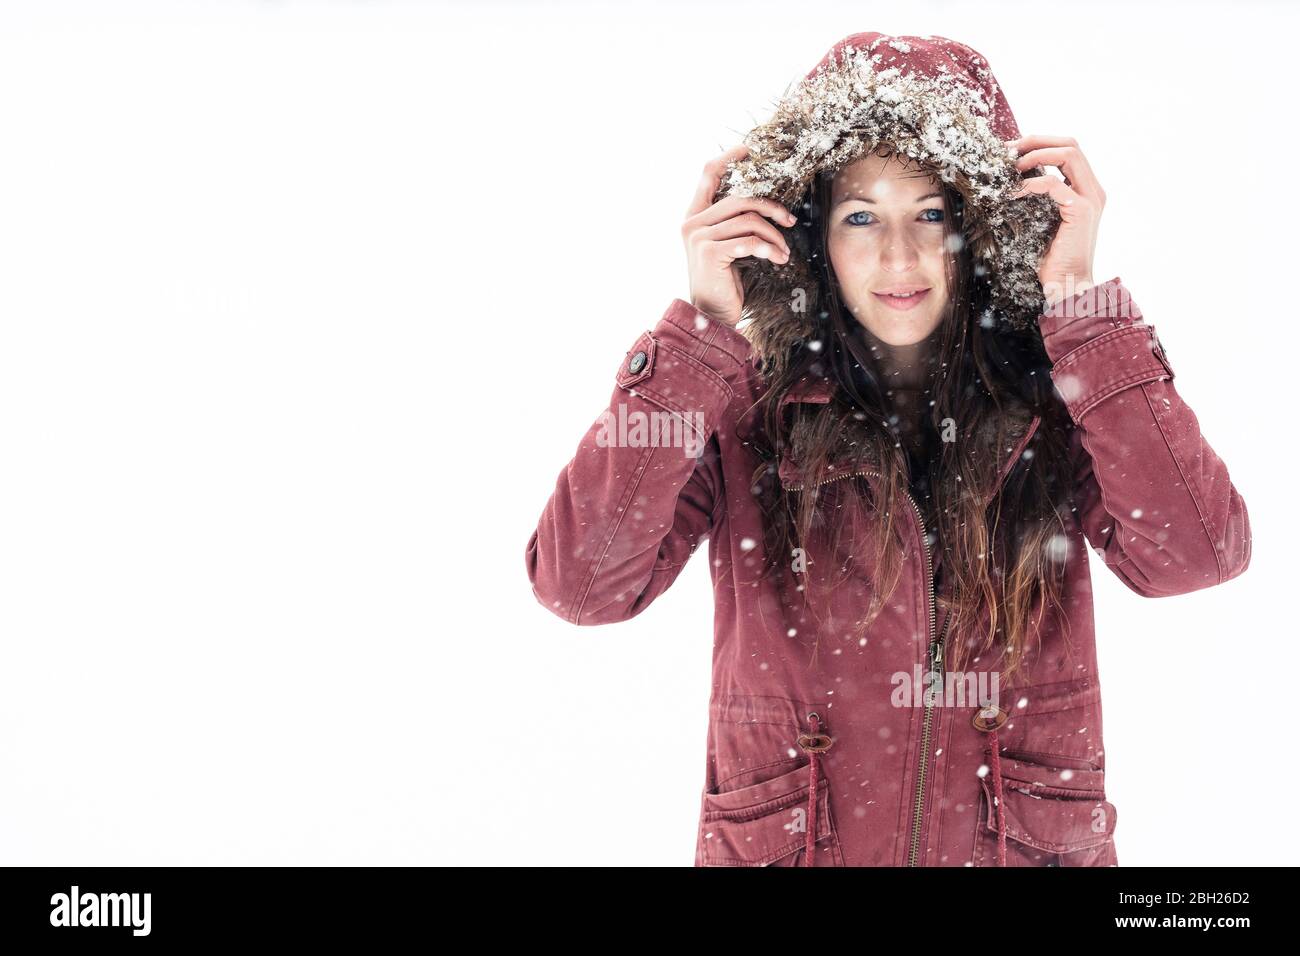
[[931, 98]]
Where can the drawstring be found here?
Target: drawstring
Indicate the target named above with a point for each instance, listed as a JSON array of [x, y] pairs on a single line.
[[813, 743], [997, 798], [812, 797], [988, 720]]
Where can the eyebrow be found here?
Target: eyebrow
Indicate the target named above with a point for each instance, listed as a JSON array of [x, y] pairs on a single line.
[[873, 202]]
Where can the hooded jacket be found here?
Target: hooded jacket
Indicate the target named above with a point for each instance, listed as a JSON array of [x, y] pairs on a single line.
[[849, 761]]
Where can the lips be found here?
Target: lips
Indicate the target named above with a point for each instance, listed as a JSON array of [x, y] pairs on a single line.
[[902, 303]]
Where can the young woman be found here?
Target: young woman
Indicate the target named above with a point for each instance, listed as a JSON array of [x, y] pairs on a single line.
[[899, 458]]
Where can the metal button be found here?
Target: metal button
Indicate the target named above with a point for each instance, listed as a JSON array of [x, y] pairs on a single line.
[[637, 363]]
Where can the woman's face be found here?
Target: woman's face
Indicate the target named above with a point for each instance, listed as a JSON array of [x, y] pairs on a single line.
[[886, 234]]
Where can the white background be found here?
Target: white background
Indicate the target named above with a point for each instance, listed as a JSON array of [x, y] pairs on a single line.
[[305, 306]]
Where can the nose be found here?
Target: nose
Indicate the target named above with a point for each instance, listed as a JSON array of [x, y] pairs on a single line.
[[898, 253]]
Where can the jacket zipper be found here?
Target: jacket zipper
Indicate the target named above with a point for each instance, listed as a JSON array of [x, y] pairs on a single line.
[[936, 666], [934, 655]]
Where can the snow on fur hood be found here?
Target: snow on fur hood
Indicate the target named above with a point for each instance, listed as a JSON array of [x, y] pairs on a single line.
[[931, 98]]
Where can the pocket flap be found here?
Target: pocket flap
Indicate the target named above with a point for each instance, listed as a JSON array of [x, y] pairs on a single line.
[[756, 825], [1051, 808]]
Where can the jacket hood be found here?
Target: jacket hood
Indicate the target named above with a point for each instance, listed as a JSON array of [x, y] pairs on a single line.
[[931, 98]]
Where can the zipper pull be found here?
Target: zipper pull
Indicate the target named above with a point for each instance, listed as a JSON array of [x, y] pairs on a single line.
[[936, 664]]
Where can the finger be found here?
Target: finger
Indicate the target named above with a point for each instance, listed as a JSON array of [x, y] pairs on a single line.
[[1070, 160], [1025, 143], [746, 224], [1047, 185], [1034, 140], [1065, 156], [730, 206], [711, 178], [726, 251]]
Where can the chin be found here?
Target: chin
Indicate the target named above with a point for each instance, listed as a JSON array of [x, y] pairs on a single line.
[[900, 330]]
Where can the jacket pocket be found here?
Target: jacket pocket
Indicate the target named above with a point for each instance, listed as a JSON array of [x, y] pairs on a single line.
[[766, 824], [1055, 816]]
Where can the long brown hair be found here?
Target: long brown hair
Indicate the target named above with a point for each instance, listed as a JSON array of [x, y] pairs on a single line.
[[1003, 554]]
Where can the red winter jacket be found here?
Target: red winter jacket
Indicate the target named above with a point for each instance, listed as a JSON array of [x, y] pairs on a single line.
[[819, 765]]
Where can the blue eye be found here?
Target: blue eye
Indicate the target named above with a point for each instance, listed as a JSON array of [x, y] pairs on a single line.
[[862, 212]]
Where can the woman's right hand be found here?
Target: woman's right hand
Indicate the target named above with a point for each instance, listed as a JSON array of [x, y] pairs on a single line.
[[718, 233]]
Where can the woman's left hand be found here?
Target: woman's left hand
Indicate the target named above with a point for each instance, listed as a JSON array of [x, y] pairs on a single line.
[[1066, 269]]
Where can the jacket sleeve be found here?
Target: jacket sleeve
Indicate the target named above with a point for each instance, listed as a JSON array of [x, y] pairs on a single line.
[[1154, 499], [630, 508]]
